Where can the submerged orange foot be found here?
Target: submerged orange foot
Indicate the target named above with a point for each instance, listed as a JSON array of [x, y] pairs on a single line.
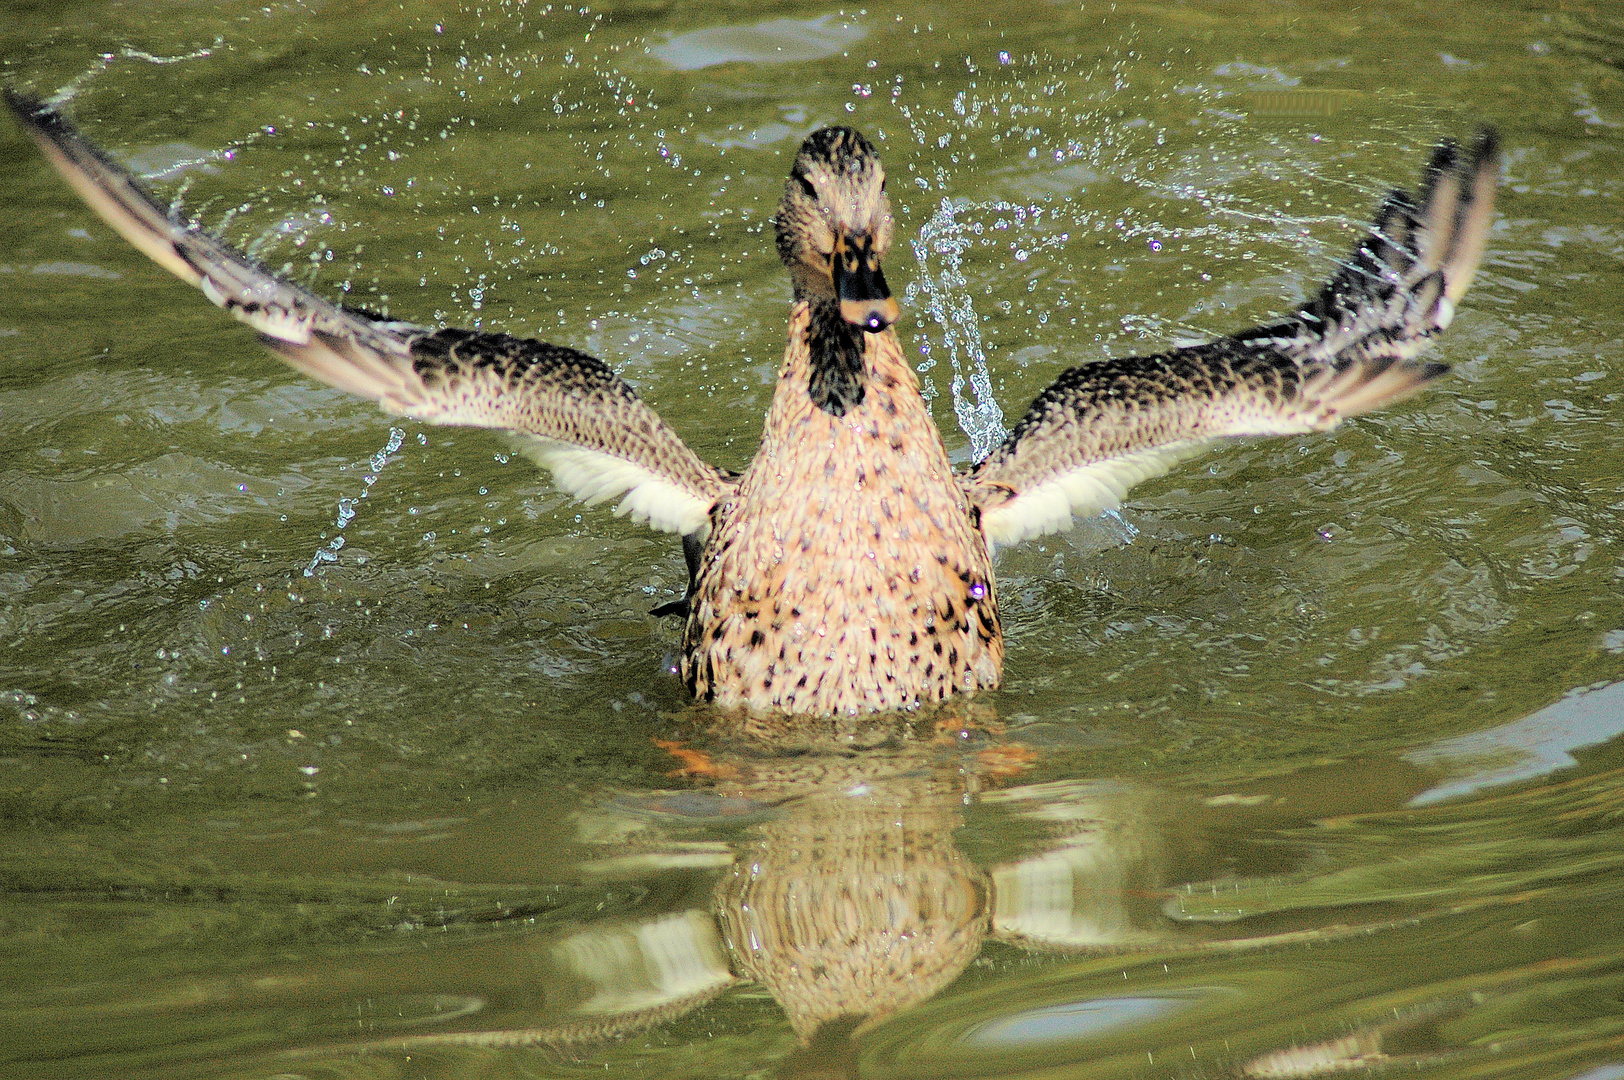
[[1007, 759], [695, 762]]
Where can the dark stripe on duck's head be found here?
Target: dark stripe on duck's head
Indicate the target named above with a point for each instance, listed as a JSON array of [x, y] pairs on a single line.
[[834, 227]]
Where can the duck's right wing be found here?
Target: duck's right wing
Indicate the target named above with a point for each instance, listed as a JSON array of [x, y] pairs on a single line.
[[1103, 427], [567, 410]]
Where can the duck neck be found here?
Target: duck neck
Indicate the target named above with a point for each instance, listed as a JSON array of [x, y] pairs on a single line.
[[834, 349], [882, 390]]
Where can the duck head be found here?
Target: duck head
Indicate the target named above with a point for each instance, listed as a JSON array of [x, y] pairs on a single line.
[[834, 227]]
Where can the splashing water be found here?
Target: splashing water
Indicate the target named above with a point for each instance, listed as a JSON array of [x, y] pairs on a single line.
[[947, 300], [346, 504]]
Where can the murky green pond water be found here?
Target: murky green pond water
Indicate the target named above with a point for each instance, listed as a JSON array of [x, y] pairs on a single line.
[[327, 752]]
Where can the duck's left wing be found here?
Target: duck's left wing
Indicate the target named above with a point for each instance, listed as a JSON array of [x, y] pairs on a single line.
[[564, 408], [1103, 427]]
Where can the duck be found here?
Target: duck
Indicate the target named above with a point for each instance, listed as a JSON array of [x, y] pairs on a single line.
[[848, 569]]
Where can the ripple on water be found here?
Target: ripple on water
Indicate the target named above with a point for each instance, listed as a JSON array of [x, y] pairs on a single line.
[[1072, 1021], [776, 41]]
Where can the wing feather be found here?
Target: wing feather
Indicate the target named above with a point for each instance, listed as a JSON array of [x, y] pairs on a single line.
[[567, 410], [1101, 428]]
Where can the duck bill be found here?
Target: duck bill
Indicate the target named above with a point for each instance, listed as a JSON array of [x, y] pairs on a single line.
[[865, 302]]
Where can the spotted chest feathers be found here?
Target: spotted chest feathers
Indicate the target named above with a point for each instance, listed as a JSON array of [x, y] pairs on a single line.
[[847, 573]]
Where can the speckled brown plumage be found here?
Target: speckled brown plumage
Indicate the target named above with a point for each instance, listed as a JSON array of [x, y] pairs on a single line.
[[558, 394], [845, 573]]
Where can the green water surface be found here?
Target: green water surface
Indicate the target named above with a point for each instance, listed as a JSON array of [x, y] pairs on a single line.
[[332, 746]]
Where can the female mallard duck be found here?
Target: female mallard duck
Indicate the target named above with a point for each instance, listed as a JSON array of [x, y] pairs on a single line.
[[849, 568]]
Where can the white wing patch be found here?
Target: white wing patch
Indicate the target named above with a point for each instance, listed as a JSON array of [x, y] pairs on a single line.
[[1084, 491], [1051, 504], [593, 477]]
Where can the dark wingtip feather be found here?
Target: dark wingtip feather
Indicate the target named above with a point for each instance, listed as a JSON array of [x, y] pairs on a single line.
[[1487, 147], [37, 116], [1445, 159], [24, 105], [48, 126], [32, 113]]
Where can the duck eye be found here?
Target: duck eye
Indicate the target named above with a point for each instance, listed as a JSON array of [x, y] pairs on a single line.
[[806, 185]]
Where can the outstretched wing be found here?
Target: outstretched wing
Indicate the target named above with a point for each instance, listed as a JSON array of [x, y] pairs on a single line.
[[568, 410], [1103, 427]]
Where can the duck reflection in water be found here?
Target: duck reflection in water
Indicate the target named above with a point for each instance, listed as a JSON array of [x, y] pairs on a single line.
[[847, 899], [843, 892]]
